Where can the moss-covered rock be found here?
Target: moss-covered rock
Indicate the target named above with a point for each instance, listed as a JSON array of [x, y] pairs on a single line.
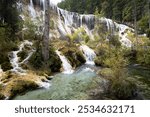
[[23, 54], [99, 61], [36, 60], [20, 86], [74, 55], [54, 61], [14, 84], [2, 97], [71, 51], [6, 66]]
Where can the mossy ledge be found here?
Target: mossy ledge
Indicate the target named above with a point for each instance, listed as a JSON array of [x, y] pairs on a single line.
[[13, 84], [71, 51]]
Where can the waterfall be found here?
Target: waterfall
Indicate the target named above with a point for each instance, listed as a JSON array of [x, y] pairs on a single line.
[[76, 20], [68, 22], [110, 24], [89, 54], [113, 27], [123, 35], [31, 9], [14, 59], [65, 64]]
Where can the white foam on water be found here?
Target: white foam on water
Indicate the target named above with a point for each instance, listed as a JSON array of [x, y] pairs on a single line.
[[14, 59], [88, 69], [65, 64], [88, 53]]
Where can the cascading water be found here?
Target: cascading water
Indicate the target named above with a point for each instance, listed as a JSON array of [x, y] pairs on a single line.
[[89, 54], [31, 9], [65, 64], [123, 34], [69, 22], [14, 59], [72, 21], [113, 27]]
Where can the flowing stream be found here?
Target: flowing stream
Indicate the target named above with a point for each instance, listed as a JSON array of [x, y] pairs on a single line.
[[14, 59], [70, 84], [66, 86]]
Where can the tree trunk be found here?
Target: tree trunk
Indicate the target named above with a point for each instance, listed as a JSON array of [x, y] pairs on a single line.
[[45, 42], [135, 22], [149, 12]]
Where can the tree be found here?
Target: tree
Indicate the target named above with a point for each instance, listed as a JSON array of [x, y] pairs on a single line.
[[9, 16], [45, 41]]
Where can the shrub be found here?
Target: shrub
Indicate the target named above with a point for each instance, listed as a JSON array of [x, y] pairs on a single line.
[[119, 86], [123, 89], [114, 40], [143, 56], [106, 72], [116, 59], [148, 33], [78, 35], [30, 29]]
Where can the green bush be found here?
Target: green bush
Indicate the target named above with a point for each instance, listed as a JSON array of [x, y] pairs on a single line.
[[30, 30], [143, 24], [143, 56], [114, 40], [78, 35], [116, 74], [116, 59], [148, 33], [123, 89], [102, 52]]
